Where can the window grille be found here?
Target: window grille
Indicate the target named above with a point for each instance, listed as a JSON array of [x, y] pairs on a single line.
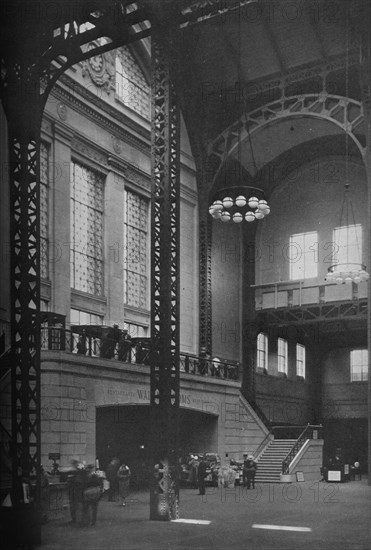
[[131, 86], [86, 230], [135, 250]]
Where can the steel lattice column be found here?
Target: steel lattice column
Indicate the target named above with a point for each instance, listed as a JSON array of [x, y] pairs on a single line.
[[23, 107], [164, 278], [205, 242]]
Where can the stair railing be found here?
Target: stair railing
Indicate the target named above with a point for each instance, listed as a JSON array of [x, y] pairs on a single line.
[[297, 446], [269, 437]]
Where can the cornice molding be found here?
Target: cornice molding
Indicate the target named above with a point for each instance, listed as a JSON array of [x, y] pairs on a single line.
[[81, 145], [93, 107], [63, 133]]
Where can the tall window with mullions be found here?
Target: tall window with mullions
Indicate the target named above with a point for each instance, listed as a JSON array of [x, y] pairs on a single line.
[[86, 230], [44, 223], [262, 351], [135, 250]]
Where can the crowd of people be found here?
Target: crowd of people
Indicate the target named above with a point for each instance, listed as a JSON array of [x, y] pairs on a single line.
[[86, 484]]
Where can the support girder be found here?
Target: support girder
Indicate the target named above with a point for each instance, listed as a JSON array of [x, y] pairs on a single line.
[[315, 313]]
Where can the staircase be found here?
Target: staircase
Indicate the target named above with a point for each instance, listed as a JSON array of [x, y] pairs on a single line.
[[270, 461]]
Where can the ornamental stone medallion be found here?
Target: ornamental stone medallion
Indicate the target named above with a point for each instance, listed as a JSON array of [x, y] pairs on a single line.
[[100, 68]]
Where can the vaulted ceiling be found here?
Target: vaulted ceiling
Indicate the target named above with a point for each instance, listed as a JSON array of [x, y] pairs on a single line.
[[231, 61], [261, 53]]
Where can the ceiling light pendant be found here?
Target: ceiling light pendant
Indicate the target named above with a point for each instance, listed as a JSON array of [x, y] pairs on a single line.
[[239, 203], [350, 269]]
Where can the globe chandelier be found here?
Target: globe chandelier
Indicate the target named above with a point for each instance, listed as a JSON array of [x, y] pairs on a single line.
[[239, 202], [348, 271]]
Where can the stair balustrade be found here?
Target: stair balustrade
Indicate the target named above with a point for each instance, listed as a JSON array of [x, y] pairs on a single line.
[[305, 434]]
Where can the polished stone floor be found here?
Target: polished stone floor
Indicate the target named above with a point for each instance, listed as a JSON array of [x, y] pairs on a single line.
[[308, 515]]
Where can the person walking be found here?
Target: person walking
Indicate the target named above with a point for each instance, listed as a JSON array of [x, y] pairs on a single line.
[[124, 475], [93, 490], [201, 474], [75, 484], [112, 478]]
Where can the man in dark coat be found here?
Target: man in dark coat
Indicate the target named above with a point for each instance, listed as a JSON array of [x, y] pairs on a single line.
[[249, 471], [112, 478], [93, 490], [201, 475]]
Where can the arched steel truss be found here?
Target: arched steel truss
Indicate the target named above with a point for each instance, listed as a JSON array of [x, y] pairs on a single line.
[[345, 113]]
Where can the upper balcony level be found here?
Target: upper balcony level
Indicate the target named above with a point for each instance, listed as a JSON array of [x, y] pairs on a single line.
[[299, 293], [103, 342]]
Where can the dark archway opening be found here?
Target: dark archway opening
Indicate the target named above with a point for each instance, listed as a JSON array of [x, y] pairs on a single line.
[[123, 431]]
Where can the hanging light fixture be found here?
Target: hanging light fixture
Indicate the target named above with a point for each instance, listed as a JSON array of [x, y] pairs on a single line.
[[351, 270], [240, 202], [237, 203]]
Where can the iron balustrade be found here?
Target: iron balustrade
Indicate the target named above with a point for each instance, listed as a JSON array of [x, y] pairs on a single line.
[[311, 431], [137, 351]]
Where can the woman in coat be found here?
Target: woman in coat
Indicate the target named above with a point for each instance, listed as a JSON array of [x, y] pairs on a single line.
[[123, 475]]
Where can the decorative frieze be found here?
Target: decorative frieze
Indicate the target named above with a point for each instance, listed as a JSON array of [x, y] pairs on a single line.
[[100, 68]]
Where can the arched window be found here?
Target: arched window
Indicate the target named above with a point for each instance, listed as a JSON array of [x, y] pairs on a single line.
[[131, 86]]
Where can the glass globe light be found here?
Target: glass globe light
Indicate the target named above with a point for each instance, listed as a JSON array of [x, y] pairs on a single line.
[[253, 202], [263, 206], [212, 209], [363, 274], [357, 279], [225, 216], [339, 280], [241, 201], [348, 280], [227, 202], [259, 215], [217, 214], [249, 216], [237, 217]]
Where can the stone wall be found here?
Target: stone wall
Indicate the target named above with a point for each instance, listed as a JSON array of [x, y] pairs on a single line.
[[74, 386]]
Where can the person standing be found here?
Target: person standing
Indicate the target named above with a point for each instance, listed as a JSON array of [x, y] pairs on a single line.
[[124, 475], [201, 475], [249, 471], [112, 478]]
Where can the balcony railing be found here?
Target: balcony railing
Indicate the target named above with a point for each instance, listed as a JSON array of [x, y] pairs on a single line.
[[297, 293], [93, 343]]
